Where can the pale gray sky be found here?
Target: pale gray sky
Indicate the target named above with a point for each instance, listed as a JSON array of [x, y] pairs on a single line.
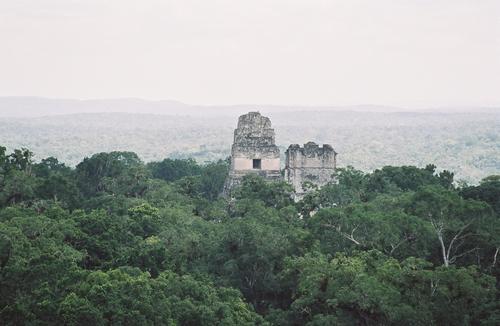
[[313, 52]]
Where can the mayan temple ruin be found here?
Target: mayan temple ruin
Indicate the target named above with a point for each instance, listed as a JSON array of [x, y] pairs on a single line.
[[254, 151], [309, 164]]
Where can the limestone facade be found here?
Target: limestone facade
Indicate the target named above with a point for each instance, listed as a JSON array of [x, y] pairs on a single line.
[[311, 163], [254, 151]]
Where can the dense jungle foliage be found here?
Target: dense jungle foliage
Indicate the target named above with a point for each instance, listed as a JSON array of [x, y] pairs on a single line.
[[116, 241]]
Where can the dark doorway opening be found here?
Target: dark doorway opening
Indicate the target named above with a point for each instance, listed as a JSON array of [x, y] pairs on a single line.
[[257, 164]]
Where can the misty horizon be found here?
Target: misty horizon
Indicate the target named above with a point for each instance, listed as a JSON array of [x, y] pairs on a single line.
[[36, 106], [412, 54]]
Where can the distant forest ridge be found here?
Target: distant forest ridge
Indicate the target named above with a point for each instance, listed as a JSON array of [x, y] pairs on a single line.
[[25, 106], [465, 142]]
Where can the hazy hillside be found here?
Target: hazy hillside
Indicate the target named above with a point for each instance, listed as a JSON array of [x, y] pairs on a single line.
[[464, 142], [38, 107]]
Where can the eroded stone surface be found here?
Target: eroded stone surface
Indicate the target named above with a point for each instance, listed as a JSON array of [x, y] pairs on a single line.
[[310, 163], [253, 151]]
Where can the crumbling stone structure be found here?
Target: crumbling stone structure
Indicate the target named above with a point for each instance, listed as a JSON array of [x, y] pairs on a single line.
[[253, 151], [311, 163]]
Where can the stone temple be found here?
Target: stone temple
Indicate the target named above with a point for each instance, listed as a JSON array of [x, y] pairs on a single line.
[[254, 151], [309, 164]]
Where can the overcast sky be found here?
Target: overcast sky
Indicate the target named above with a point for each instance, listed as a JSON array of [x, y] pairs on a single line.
[[312, 52]]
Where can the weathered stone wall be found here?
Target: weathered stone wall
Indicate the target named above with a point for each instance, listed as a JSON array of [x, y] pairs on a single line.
[[242, 164], [254, 139], [310, 163]]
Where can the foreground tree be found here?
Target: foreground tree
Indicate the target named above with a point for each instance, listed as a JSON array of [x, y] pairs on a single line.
[[368, 288], [455, 221]]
